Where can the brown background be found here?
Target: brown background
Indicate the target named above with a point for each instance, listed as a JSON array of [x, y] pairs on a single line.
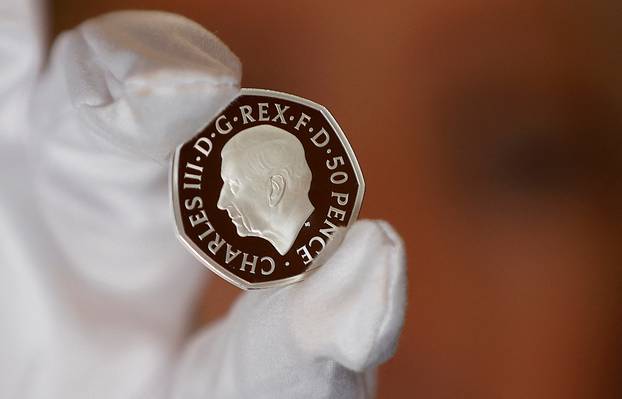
[[488, 135]]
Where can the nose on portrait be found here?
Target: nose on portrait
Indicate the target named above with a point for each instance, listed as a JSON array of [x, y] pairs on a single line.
[[222, 200]]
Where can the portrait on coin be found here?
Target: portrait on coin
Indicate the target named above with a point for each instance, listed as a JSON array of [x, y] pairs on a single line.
[[266, 182]]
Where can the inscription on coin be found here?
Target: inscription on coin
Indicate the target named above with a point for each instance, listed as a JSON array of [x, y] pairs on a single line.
[[262, 190]]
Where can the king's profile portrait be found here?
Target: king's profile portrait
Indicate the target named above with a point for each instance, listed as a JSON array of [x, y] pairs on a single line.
[[266, 182]]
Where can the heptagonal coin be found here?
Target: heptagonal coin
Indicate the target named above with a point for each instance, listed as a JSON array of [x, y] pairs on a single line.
[[264, 193]]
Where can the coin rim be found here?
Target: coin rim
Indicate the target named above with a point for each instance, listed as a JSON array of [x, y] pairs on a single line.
[[205, 259]]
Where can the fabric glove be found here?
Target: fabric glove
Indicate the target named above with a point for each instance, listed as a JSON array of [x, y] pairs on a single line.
[[96, 293]]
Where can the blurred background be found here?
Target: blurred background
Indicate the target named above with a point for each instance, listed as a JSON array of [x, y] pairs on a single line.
[[489, 136]]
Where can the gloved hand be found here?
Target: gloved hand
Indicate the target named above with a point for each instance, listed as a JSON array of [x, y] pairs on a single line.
[[96, 293]]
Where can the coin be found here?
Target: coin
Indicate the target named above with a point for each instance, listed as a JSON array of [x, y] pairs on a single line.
[[263, 194]]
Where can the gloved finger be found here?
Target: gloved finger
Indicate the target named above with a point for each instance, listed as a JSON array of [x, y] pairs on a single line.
[[320, 338], [22, 41], [120, 91], [145, 81]]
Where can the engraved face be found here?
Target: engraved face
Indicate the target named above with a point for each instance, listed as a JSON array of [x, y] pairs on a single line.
[[266, 183], [236, 197]]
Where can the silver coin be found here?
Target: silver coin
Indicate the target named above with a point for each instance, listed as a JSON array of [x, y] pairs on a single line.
[[264, 193]]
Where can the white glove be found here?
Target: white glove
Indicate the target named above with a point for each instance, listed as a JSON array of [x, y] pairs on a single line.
[[96, 293]]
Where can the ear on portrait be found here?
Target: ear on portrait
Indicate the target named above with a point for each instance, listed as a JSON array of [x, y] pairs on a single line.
[[276, 190]]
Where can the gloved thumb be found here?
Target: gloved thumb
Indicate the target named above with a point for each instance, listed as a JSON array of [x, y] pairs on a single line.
[[320, 338]]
